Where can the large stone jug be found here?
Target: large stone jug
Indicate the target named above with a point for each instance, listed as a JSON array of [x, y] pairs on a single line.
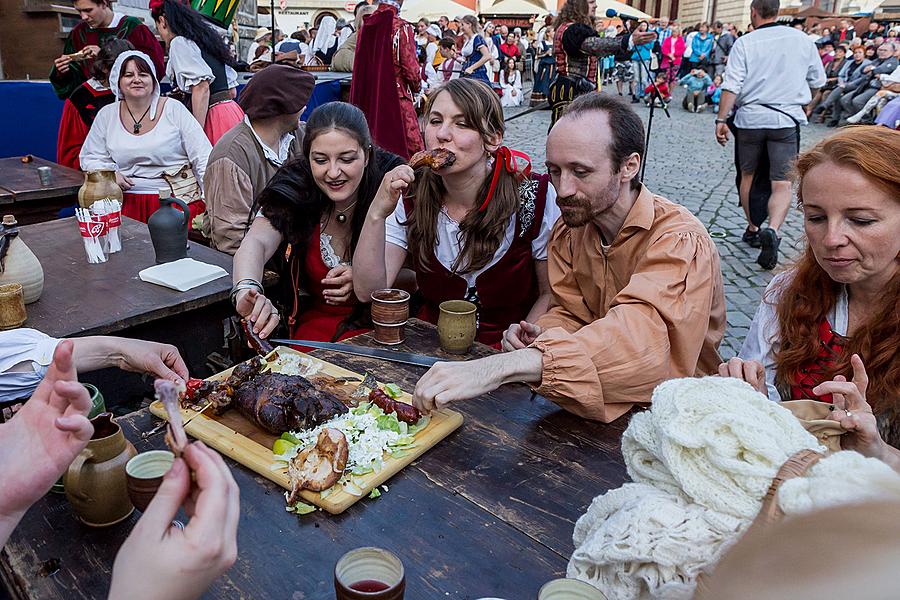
[[169, 229], [98, 185], [18, 264], [96, 484]]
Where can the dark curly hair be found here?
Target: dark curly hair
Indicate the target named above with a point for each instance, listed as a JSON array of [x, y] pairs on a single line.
[[574, 11], [185, 21]]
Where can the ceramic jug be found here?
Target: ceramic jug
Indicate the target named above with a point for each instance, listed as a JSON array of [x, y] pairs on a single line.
[[98, 185], [96, 484], [18, 264], [169, 229]]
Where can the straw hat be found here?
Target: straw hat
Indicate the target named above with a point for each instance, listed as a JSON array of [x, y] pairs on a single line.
[[261, 33]]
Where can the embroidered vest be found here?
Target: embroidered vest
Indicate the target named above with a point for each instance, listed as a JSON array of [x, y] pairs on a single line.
[[816, 372]]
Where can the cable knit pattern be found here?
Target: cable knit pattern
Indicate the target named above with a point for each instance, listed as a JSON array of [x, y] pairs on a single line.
[[702, 459]]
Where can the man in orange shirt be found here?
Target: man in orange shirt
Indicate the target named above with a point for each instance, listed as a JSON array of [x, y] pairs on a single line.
[[637, 290]]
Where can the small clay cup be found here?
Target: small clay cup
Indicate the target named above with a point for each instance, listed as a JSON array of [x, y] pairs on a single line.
[[145, 474], [569, 589], [390, 312], [12, 306], [457, 325], [368, 565]]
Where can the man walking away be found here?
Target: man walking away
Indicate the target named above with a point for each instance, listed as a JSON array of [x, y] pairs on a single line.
[[767, 81]]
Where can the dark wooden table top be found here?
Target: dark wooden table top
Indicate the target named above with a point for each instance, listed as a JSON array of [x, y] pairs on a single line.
[[84, 299], [21, 182], [489, 511]]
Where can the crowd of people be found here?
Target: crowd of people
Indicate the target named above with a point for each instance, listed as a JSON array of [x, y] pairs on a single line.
[[594, 288]]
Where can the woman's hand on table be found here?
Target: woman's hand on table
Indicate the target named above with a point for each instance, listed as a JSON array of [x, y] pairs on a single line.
[[392, 187], [520, 335], [259, 311], [161, 561], [750, 371], [43, 438], [339, 282], [125, 183]]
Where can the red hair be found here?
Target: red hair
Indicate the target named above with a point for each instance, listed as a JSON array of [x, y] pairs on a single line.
[[805, 302]]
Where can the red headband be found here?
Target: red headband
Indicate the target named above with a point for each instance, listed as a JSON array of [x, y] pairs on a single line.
[[506, 159]]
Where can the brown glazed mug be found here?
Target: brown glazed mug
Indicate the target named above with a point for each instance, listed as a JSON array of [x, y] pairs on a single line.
[[369, 574], [457, 326], [390, 312], [144, 474], [95, 481]]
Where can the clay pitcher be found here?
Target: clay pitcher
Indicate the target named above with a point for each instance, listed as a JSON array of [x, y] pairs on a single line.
[[18, 264], [98, 185], [96, 484], [169, 229]]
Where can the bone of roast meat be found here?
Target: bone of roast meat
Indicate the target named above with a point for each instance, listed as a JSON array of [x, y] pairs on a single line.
[[167, 392], [318, 467], [436, 159]]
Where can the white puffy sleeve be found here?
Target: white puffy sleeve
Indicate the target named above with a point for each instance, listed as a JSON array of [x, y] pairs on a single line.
[[764, 337], [186, 66], [394, 230], [94, 155]]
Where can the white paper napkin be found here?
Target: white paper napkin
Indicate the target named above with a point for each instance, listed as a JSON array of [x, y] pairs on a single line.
[[183, 274]]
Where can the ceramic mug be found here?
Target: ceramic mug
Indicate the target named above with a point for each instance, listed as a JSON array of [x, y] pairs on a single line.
[[98, 405], [390, 311], [369, 574], [12, 306], [569, 589], [144, 474], [457, 326]]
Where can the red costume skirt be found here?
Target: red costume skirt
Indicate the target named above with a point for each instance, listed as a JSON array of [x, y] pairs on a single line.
[[140, 206], [221, 117]]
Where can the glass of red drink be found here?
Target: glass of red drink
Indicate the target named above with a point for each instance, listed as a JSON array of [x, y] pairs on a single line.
[[369, 574]]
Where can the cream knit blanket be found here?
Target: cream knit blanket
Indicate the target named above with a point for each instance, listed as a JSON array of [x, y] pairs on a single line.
[[702, 459]]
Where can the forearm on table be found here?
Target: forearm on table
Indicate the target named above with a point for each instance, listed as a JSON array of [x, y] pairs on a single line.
[[96, 352], [726, 103], [523, 365]]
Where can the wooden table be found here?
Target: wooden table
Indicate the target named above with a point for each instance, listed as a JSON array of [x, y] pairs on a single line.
[[109, 298], [489, 511], [22, 194]]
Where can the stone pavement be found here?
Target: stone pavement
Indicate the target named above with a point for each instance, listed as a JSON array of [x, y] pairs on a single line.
[[686, 165]]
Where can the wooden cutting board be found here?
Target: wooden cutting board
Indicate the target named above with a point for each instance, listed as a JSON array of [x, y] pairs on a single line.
[[239, 439]]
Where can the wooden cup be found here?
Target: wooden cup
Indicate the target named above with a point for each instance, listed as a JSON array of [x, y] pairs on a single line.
[[145, 474], [390, 312], [369, 574], [457, 326], [12, 306]]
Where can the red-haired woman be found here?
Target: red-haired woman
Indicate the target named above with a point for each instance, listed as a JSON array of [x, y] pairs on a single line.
[[828, 328]]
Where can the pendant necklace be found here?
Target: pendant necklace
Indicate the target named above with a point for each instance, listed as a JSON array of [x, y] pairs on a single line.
[[137, 122], [341, 217]]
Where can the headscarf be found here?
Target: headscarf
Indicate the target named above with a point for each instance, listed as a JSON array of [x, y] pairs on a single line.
[[115, 74], [324, 36]]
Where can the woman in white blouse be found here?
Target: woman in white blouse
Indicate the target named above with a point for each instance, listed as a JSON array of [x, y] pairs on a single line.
[[511, 82], [142, 137], [199, 66]]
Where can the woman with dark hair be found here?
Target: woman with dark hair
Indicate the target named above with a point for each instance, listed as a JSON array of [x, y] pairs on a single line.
[[99, 23], [475, 230], [511, 84], [827, 329], [82, 106], [199, 66], [147, 140], [311, 213]]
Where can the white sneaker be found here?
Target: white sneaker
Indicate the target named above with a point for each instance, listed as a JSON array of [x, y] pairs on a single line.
[[855, 118]]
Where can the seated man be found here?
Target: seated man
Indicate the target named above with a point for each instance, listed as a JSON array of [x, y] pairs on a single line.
[[637, 290], [245, 159]]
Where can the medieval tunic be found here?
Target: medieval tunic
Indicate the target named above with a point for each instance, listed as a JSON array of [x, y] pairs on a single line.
[[504, 289], [78, 115], [122, 27], [628, 316]]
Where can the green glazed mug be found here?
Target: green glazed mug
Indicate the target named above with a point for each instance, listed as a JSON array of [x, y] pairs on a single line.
[[98, 405]]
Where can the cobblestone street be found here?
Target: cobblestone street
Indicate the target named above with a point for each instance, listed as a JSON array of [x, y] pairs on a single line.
[[686, 165]]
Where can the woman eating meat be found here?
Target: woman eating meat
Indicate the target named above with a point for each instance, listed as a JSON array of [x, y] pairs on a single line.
[[827, 329], [144, 139], [476, 229], [312, 212]]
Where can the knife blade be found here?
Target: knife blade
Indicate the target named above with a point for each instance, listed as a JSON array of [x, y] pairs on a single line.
[[419, 360]]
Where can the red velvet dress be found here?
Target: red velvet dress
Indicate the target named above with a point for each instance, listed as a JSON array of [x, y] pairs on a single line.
[[505, 292], [318, 321], [812, 374], [78, 115]]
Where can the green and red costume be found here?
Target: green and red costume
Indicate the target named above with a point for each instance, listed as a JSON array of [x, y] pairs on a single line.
[[122, 27]]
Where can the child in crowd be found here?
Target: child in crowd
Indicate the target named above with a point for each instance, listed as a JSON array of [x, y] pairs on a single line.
[[696, 82], [714, 91], [662, 86]]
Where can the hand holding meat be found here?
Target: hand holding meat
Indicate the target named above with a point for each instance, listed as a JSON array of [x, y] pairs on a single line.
[[161, 561], [258, 310], [394, 183], [43, 438]]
